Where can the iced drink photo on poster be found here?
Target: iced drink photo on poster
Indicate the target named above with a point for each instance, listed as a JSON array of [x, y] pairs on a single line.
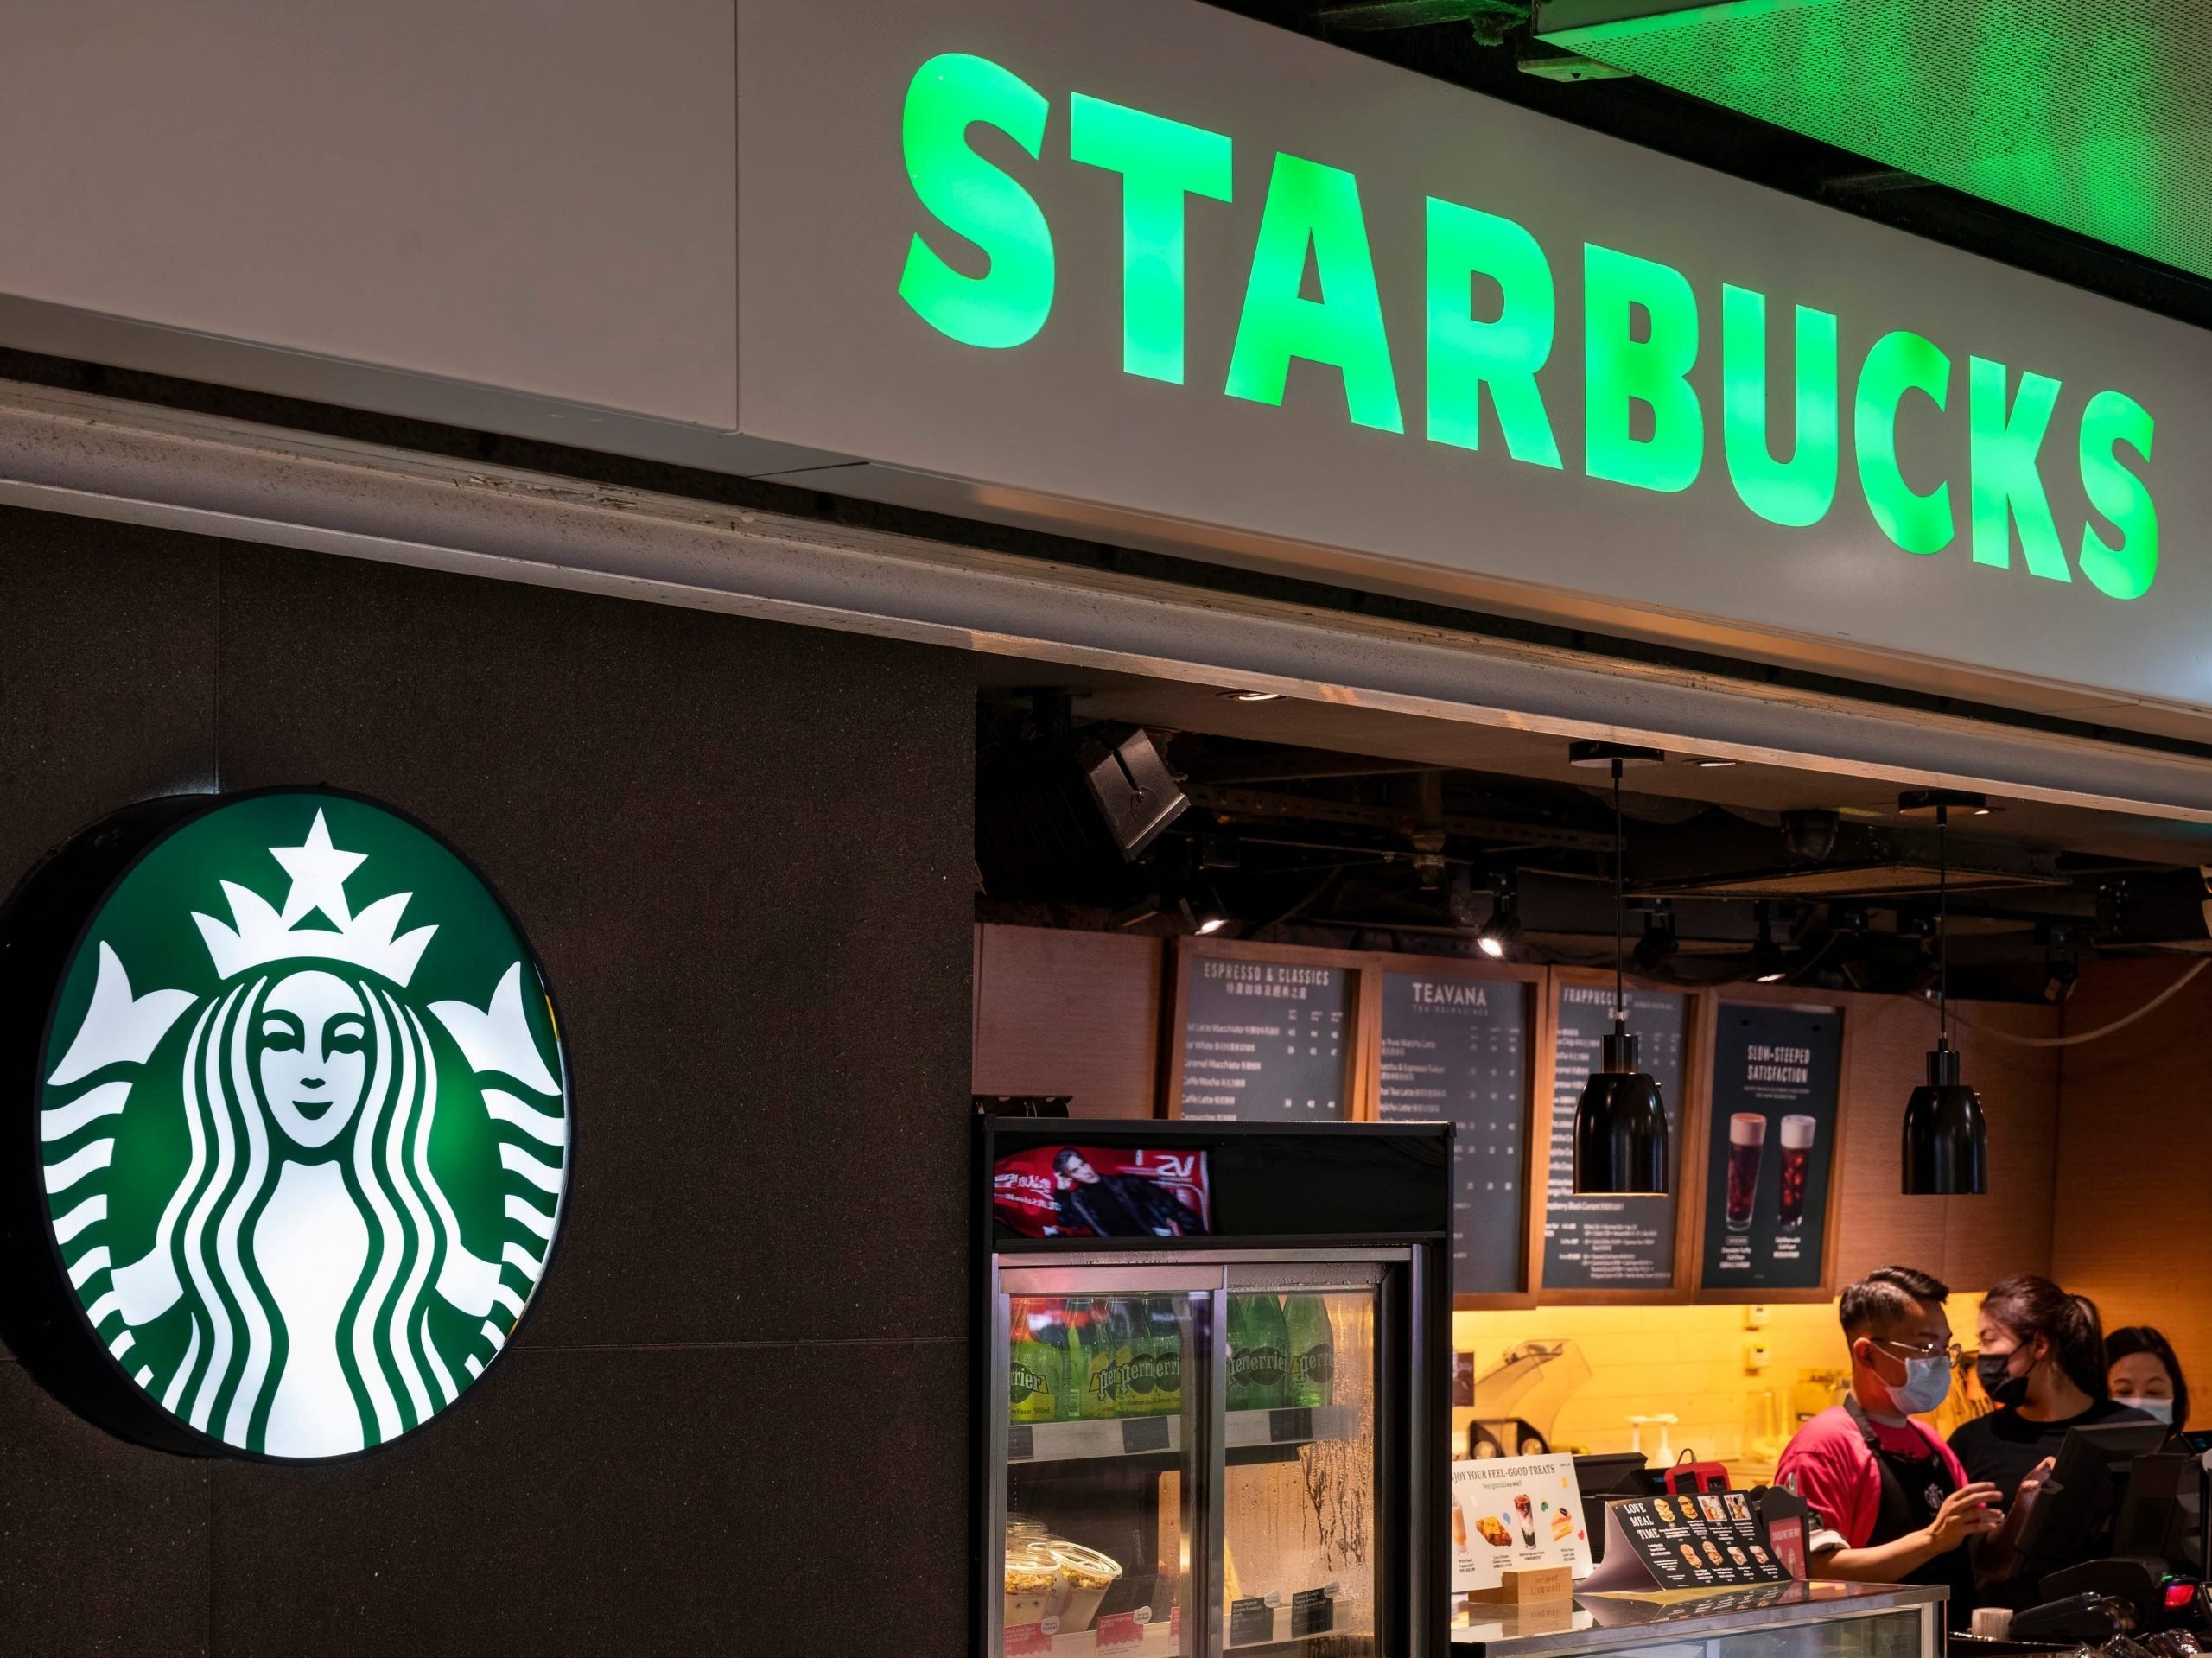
[[1746, 1143], [1796, 1158]]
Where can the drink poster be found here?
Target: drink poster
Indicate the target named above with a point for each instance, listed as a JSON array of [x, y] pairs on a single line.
[[1612, 1243], [1265, 1041], [1455, 1048], [1518, 1512], [1776, 1074], [1714, 1540]]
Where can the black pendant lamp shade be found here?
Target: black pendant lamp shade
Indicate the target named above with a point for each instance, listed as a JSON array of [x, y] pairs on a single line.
[[1620, 1122], [1946, 1137], [1620, 1125], [1946, 1141]]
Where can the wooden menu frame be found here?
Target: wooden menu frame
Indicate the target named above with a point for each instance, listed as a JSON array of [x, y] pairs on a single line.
[[1539, 1036], [1175, 1004], [1692, 1110], [1760, 995]]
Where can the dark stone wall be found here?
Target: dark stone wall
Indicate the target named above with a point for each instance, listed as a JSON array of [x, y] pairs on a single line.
[[737, 1419]]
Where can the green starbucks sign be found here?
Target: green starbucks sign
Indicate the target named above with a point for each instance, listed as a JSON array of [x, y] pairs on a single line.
[[299, 1129]]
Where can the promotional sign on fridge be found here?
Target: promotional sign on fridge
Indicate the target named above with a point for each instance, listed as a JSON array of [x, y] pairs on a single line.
[[1194, 1443]]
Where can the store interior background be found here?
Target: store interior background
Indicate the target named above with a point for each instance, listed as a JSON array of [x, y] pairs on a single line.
[[2095, 1149]]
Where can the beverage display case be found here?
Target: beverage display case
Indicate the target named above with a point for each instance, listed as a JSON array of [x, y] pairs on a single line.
[[1228, 1439], [1782, 1620]]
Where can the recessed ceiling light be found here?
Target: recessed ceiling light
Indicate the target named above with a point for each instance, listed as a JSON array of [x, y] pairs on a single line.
[[1771, 978], [1213, 923], [1249, 696], [1713, 766]]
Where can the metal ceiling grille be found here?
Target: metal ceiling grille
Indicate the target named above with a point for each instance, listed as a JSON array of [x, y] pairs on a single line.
[[2095, 115]]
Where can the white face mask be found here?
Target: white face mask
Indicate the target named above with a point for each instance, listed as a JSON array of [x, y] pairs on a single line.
[[2158, 1410]]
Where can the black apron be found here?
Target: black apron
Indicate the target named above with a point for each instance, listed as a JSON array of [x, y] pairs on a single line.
[[1913, 1490]]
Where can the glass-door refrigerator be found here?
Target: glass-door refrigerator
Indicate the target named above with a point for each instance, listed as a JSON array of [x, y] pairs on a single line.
[[1212, 1378]]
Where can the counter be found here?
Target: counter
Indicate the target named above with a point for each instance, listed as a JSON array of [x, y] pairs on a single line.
[[1782, 1620]]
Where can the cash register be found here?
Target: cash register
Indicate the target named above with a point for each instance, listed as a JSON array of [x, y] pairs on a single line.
[[2119, 1527]]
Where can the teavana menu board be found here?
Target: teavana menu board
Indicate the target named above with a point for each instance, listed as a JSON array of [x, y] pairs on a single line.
[[1611, 1243], [1456, 1050], [1774, 1076], [1264, 1041]]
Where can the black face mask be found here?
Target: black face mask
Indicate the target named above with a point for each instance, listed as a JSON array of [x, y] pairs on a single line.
[[1999, 1383]]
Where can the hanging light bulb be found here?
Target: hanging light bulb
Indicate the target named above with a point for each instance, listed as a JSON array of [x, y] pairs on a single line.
[[1946, 1137], [1620, 1122], [1497, 936]]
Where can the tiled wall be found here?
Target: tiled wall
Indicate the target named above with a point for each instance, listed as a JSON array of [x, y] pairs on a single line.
[[1689, 1360]]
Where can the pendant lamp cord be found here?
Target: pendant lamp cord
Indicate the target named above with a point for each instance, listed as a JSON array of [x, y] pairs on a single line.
[[1942, 927], [1620, 1000]]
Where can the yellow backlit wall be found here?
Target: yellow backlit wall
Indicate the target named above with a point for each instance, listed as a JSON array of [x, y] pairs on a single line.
[[1689, 1360]]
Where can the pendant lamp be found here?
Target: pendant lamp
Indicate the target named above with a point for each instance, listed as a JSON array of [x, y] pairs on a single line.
[[1946, 1138], [1620, 1122]]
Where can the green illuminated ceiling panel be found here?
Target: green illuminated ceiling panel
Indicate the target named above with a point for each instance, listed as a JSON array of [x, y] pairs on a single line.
[[2095, 115]]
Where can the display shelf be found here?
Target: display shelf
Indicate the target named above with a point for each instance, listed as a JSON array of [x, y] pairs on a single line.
[[1143, 1436], [1155, 1640]]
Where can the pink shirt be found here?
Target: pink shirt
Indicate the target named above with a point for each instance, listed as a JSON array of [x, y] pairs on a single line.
[[1827, 1462]]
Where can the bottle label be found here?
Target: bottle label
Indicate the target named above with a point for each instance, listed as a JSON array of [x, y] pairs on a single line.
[[1316, 1367], [1023, 1383], [1264, 1367]]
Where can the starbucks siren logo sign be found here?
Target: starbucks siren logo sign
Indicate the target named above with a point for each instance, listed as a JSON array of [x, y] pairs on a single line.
[[302, 1124]]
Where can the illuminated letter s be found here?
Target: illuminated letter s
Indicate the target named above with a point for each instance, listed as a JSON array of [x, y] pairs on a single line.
[[2126, 571], [1009, 303]]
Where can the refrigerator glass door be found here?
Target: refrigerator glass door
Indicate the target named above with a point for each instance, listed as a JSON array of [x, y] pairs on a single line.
[[1101, 1389], [1297, 1567]]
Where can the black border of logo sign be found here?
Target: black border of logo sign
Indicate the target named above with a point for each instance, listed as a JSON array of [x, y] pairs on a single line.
[[43, 925]]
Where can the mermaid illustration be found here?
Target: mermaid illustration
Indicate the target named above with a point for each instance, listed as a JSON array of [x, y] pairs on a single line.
[[306, 1215]]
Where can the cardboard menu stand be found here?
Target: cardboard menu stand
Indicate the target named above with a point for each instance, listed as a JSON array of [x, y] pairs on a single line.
[[1711, 1540], [1518, 1513]]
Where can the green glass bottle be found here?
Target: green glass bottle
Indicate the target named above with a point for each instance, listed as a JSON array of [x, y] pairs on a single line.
[[1313, 1351], [1074, 1326], [1268, 1376], [1032, 1364], [1239, 1341], [1101, 1388], [1167, 1355], [1132, 1357]]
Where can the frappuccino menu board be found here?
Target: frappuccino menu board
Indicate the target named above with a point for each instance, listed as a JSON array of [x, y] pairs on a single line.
[[1711, 1540], [1775, 1073], [1610, 1244], [1456, 1050], [1265, 1041]]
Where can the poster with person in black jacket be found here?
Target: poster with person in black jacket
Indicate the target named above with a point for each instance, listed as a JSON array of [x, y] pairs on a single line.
[[1075, 1191]]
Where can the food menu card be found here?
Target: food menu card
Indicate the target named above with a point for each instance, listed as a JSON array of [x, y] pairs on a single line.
[[1714, 1540], [1776, 1074], [1265, 1041], [1455, 1048], [1604, 1244], [1514, 1511]]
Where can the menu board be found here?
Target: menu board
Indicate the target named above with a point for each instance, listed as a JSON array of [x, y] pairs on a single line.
[[1711, 1541], [1519, 1511], [1775, 1071], [1265, 1041], [1612, 1243], [1455, 1048]]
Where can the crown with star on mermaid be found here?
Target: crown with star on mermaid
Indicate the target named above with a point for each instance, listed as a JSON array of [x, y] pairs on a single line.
[[259, 933]]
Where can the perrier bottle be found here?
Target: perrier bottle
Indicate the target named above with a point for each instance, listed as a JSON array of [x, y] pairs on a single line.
[[1132, 1358], [1258, 1357], [1032, 1364], [1101, 1355], [1166, 1355], [1313, 1351]]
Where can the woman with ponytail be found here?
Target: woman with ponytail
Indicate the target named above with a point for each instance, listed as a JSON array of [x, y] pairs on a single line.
[[2042, 1362]]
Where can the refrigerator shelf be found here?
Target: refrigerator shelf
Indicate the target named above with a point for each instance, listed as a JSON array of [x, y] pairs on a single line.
[[1145, 1435], [1155, 1637]]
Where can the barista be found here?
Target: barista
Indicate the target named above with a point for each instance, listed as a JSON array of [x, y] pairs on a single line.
[[1894, 1504], [2042, 1363], [2143, 1373]]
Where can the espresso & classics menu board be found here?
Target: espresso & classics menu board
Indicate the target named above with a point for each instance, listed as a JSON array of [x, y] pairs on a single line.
[[1611, 1243], [1264, 1041], [1776, 1074], [1455, 1048]]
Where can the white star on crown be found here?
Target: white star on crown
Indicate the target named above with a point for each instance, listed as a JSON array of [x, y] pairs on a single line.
[[260, 934]]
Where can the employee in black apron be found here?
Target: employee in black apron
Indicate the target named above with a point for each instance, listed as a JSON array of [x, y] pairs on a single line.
[[1893, 1505]]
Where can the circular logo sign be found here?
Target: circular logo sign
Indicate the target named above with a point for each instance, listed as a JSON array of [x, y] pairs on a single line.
[[301, 1122]]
